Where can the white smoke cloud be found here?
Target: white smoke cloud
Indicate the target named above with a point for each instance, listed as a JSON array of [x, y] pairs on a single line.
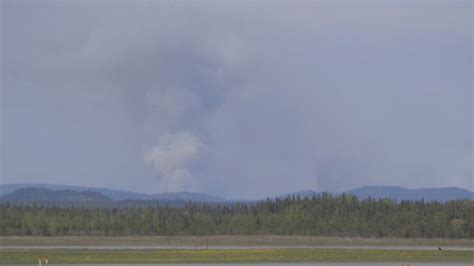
[[307, 95], [171, 156]]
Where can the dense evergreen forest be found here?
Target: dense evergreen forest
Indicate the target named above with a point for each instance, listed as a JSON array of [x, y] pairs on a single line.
[[322, 215]]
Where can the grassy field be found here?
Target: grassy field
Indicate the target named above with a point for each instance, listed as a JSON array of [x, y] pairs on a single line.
[[263, 240], [233, 256]]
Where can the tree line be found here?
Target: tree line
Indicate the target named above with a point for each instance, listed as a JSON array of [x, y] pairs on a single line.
[[320, 215]]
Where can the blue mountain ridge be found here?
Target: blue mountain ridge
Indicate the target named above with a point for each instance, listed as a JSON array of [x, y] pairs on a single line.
[[375, 192], [115, 194]]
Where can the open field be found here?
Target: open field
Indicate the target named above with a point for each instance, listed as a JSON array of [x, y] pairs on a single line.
[[233, 256], [229, 249], [280, 264], [251, 240]]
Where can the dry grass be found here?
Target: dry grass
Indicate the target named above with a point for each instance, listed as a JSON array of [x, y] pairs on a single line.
[[251, 240], [233, 256]]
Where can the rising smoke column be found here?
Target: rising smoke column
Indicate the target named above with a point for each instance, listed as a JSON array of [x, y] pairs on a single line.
[[171, 156]]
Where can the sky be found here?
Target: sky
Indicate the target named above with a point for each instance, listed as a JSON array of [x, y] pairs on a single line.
[[241, 99]]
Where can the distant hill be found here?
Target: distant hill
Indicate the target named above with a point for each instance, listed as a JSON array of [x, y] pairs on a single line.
[[116, 195], [400, 193], [185, 196], [33, 194], [111, 197]]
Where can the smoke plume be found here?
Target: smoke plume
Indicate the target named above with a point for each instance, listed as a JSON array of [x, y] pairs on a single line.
[[171, 156]]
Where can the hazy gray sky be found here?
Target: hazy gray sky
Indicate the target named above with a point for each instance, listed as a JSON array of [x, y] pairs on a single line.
[[241, 99]]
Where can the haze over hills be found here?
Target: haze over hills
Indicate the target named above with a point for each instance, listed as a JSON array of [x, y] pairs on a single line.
[[83, 198], [114, 194], [62, 193], [38, 194]]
